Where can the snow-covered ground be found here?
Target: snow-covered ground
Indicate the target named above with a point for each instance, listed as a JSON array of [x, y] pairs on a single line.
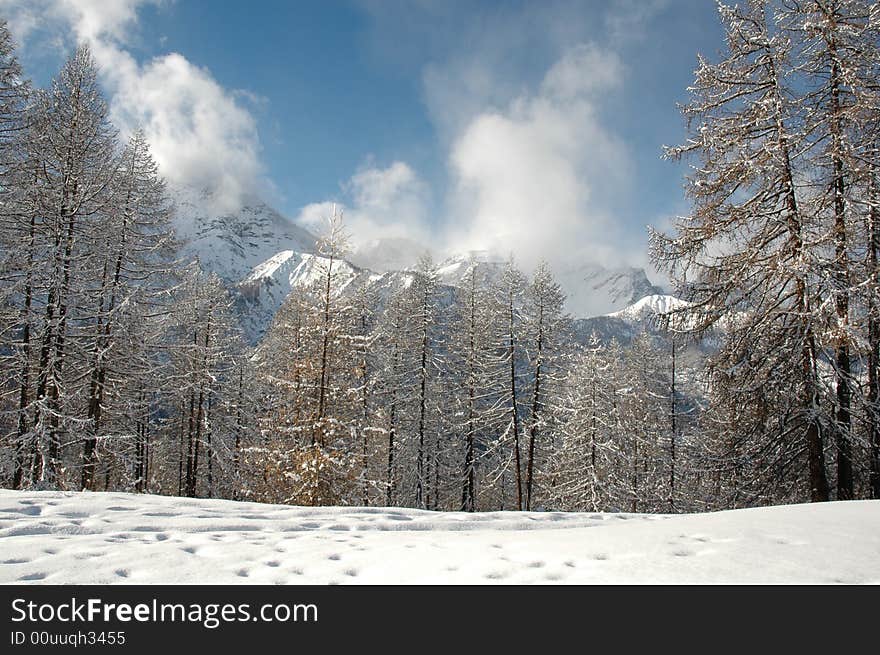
[[57, 537]]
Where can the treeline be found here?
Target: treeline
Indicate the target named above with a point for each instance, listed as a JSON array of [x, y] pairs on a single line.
[[108, 343], [472, 397]]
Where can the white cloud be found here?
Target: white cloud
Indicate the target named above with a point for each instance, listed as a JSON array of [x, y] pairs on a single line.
[[383, 203], [530, 177], [518, 96], [90, 19], [200, 133], [99, 19]]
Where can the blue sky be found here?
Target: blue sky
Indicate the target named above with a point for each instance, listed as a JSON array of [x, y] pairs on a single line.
[[528, 126]]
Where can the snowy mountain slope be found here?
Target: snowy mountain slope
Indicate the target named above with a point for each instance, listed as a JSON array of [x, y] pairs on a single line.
[[594, 290], [644, 315], [232, 244], [650, 307], [590, 288], [105, 538], [264, 289]]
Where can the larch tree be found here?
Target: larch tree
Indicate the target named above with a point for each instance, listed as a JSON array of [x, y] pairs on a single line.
[[75, 146], [473, 364], [135, 269], [546, 329], [836, 54], [508, 293], [17, 245], [745, 254]]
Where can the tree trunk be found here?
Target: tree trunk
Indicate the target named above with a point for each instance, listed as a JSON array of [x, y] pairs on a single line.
[[389, 491], [511, 353], [536, 407], [874, 335], [421, 499], [467, 496], [815, 450], [24, 382], [845, 485], [673, 435]]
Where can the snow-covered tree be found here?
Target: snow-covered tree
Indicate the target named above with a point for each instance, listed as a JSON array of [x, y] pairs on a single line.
[[17, 246], [548, 342], [135, 269], [475, 372], [745, 254]]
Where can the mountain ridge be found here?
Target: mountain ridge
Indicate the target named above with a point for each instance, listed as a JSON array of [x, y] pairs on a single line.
[[261, 256]]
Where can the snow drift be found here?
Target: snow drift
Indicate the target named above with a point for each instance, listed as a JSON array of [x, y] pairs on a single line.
[[103, 538]]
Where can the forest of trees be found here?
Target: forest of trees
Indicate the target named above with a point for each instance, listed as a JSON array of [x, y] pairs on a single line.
[[123, 367]]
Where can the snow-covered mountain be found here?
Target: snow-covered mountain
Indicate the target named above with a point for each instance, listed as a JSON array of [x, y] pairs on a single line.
[[649, 308], [265, 287], [260, 256], [644, 315], [232, 244], [594, 290]]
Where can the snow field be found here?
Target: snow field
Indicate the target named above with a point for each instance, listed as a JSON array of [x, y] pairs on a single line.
[[105, 538]]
